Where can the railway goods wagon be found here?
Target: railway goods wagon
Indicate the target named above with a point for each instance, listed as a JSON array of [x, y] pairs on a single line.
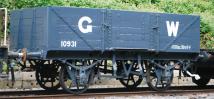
[[70, 47], [58, 32]]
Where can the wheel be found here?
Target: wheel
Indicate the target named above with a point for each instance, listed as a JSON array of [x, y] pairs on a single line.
[[155, 79], [71, 85], [47, 75], [133, 80], [202, 82], [73, 80]]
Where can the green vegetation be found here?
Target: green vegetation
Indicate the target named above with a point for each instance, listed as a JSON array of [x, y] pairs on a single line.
[[1, 25], [204, 8]]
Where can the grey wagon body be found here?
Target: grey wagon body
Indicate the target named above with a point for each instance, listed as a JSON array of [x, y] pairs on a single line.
[[56, 33]]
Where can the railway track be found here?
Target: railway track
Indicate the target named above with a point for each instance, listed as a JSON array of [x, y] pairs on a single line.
[[188, 92]]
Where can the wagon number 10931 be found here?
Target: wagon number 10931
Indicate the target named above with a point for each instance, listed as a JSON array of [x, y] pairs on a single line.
[[68, 43]]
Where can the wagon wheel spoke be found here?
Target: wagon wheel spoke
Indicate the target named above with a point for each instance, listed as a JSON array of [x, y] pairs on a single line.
[[133, 80], [163, 85], [52, 84], [70, 85], [128, 80]]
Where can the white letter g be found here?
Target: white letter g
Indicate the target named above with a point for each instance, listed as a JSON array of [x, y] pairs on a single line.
[[88, 27]]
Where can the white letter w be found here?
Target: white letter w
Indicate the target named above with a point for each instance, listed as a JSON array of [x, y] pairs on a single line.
[[172, 28]]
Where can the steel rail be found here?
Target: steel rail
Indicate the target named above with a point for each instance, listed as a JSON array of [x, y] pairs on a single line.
[[107, 92]]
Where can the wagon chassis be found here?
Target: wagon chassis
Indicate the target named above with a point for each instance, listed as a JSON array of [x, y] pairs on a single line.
[[129, 71]]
